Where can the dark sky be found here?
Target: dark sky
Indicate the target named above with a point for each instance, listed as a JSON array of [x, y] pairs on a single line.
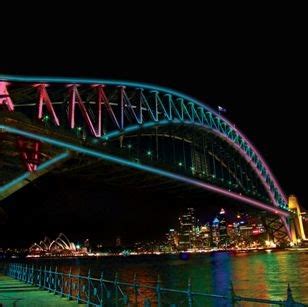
[[255, 66]]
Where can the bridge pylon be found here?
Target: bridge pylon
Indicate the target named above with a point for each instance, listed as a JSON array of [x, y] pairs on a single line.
[[296, 223]]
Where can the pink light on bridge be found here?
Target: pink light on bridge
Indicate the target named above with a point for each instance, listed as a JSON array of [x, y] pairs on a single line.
[[75, 98], [29, 152], [5, 98], [44, 99]]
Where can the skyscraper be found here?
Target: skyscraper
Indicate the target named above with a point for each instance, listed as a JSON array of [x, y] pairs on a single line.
[[173, 239], [215, 231], [187, 224], [223, 235]]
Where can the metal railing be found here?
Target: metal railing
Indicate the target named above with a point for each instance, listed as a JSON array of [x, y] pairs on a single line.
[[103, 292]]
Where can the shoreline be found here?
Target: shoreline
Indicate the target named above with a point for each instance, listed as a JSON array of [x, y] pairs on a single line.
[[178, 253]]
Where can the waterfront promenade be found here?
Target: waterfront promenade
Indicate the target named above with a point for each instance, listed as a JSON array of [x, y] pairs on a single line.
[[17, 293]]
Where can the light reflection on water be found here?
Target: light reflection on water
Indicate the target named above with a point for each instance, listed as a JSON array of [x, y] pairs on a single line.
[[262, 274]]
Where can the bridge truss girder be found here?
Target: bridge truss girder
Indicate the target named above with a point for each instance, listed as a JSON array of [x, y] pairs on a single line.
[[102, 112]]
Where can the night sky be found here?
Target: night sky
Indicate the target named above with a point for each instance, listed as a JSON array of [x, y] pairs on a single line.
[[254, 67]]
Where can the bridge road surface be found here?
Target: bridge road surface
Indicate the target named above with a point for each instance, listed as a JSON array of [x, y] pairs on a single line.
[[17, 293]]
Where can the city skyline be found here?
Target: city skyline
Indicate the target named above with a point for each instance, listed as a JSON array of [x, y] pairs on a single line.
[[232, 230]]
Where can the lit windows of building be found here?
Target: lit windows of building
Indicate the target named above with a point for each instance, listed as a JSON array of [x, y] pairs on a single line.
[[186, 233], [215, 231], [173, 239]]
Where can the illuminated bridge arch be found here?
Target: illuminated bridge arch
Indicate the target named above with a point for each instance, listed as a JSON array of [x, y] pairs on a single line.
[[110, 110]]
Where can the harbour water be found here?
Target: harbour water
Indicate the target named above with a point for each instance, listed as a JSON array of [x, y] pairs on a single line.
[[263, 274]]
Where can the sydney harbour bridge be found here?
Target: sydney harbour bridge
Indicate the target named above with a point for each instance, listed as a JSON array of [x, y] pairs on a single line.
[[60, 124]]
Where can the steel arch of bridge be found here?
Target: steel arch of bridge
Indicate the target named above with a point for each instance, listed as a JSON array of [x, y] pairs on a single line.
[[163, 106], [118, 160]]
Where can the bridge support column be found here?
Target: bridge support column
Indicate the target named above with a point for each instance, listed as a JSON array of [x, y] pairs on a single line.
[[276, 228], [297, 226]]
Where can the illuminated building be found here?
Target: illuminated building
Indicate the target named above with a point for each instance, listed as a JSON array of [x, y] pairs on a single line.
[[238, 231], [223, 235], [219, 229], [245, 231], [202, 236], [61, 246], [173, 239], [215, 231], [186, 234]]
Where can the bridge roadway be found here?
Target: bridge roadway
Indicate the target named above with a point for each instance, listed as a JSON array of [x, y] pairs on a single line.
[[16, 293]]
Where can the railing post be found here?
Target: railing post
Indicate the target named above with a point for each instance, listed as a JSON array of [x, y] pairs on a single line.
[[89, 288], [101, 283], [26, 273], [40, 277], [49, 280], [62, 284], [69, 294], [158, 291], [116, 288], [29, 274], [78, 291], [45, 273], [22, 272], [232, 296], [290, 301], [32, 277], [135, 288], [189, 294], [56, 280], [33, 280]]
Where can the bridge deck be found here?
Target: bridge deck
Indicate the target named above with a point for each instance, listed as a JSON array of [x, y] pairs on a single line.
[[19, 294]]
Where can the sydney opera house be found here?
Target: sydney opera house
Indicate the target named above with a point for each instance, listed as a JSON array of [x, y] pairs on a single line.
[[61, 247]]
